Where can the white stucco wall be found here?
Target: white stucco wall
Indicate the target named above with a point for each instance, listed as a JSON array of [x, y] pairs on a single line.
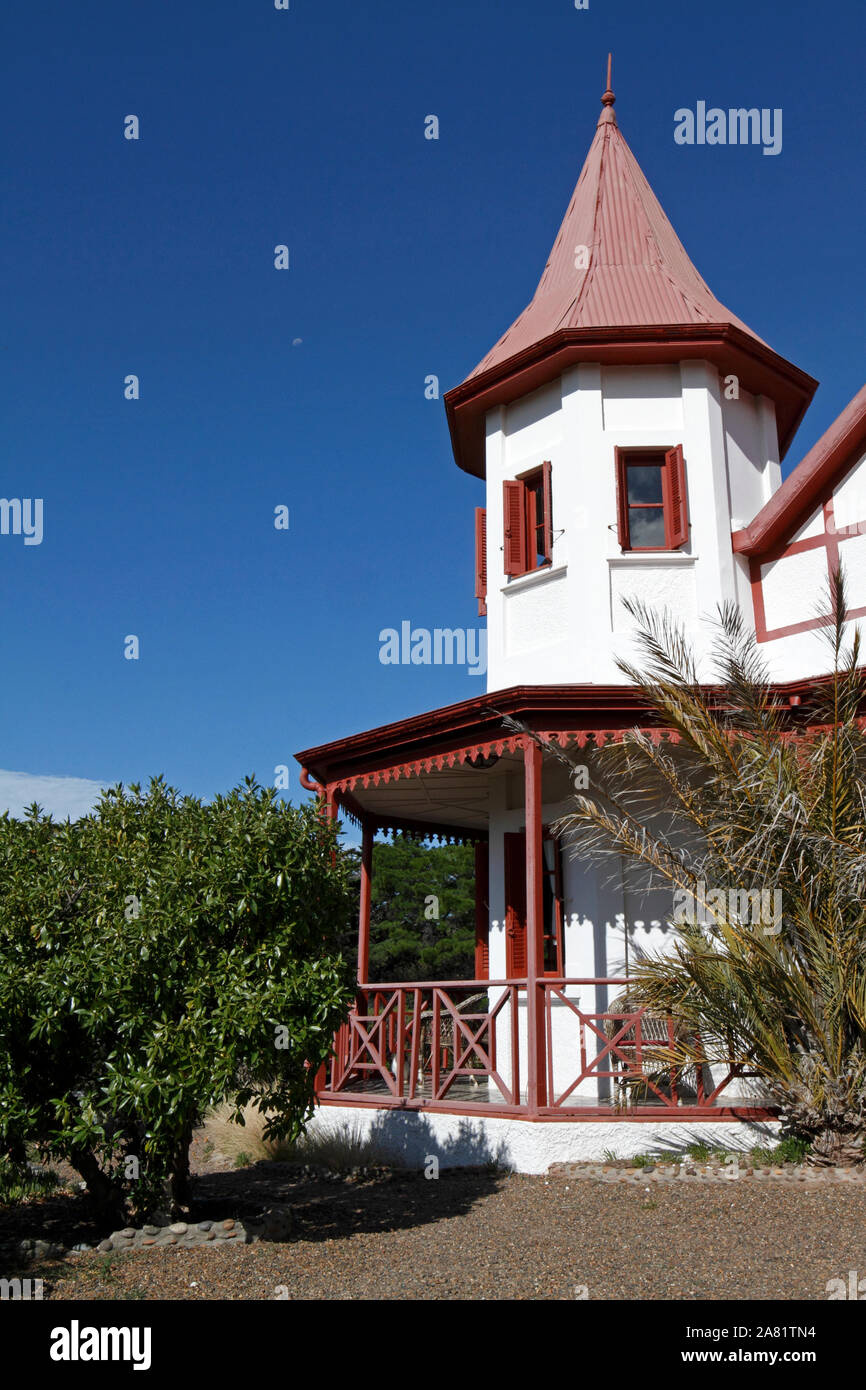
[[752, 454], [795, 586], [568, 624], [849, 497], [523, 1145]]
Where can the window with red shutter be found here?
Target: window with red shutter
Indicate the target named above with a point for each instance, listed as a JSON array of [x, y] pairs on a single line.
[[547, 512], [553, 905], [528, 521], [652, 510], [676, 512], [514, 512], [515, 905], [481, 560]]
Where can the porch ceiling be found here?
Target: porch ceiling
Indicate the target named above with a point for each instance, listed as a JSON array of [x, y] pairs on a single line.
[[456, 796]]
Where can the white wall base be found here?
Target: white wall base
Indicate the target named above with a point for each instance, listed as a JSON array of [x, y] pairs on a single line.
[[412, 1136]]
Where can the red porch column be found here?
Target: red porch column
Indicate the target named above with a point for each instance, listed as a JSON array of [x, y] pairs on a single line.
[[536, 1078], [366, 897]]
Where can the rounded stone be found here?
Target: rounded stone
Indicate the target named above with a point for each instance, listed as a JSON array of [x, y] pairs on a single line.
[[149, 1240], [105, 1246], [150, 1230], [205, 1225], [128, 1232], [209, 1235], [179, 1228], [227, 1225]]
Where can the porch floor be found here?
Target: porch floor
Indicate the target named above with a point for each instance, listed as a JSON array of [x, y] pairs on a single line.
[[484, 1092]]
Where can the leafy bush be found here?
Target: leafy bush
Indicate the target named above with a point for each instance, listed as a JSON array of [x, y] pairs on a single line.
[[17, 1184], [788, 1150], [158, 957]]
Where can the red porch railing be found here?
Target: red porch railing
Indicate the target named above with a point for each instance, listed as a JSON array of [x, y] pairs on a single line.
[[421, 1043], [633, 1048], [463, 1046]]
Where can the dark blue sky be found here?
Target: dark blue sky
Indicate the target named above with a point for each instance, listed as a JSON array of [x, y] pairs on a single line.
[[408, 257]]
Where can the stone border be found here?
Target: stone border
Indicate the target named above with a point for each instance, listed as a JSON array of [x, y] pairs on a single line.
[[274, 1224], [736, 1169], [178, 1233]]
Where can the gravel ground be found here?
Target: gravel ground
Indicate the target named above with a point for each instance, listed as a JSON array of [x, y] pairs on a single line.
[[491, 1236]]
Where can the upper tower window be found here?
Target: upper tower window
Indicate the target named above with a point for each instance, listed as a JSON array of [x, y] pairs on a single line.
[[528, 521], [652, 510]]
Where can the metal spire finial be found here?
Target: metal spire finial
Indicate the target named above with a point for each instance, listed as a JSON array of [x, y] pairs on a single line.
[[608, 97]]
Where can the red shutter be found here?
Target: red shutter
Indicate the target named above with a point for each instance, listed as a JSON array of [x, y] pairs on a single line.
[[481, 560], [515, 905], [674, 495], [514, 510], [482, 912], [547, 519], [621, 500]]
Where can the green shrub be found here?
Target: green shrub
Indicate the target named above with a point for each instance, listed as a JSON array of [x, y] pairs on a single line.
[[155, 957]]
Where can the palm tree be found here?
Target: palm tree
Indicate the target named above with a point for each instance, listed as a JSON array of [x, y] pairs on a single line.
[[744, 802]]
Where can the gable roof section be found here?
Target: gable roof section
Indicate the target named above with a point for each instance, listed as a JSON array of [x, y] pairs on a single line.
[[801, 492]]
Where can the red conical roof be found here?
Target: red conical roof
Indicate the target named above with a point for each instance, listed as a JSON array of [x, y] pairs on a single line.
[[618, 287], [639, 272]]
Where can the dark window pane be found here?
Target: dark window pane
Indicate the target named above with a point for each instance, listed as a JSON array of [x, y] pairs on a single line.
[[536, 487], [551, 954], [551, 963], [646, 527], [644, 482]]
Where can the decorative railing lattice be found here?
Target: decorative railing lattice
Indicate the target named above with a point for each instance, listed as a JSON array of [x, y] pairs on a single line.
[[464, 1044]]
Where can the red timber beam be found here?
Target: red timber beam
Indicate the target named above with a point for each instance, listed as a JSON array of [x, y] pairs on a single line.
[[472, 731], [367, 833], [536, 1069]]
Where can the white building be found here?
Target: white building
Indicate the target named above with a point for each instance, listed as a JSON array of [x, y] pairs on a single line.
[[630, 429]]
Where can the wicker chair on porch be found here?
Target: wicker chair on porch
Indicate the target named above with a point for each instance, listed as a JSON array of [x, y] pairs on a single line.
[[635, 1077], [450, 1041]]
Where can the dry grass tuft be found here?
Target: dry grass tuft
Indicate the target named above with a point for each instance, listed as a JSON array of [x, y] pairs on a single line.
[[339, 1149]]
